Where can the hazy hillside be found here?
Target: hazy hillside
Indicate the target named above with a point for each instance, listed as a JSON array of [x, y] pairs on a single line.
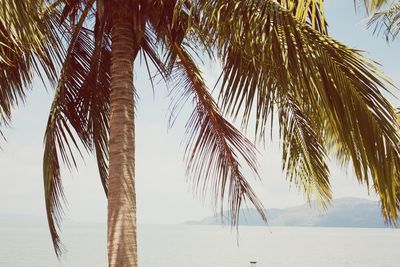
[[345, 212]]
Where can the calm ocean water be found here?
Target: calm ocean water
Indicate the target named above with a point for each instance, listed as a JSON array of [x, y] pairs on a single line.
[[28, 245]]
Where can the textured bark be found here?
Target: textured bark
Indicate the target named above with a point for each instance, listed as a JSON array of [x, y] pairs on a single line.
[[122, 242]]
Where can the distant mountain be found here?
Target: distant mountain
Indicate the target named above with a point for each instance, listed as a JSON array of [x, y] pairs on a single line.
[[345, 212]]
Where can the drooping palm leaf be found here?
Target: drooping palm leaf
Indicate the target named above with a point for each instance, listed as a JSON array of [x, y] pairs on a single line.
[[214, 146], [58, 137], [80, 109], [268, 54]]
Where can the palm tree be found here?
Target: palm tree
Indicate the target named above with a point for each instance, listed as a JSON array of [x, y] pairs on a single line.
[[278, 62]]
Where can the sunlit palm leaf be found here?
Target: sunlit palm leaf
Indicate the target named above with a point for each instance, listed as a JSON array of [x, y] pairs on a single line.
[[307, 11], [268, 54], [29, 44], [304, 155], [387, 21]]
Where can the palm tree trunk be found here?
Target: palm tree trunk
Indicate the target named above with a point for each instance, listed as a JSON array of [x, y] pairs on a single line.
[[122, 243]]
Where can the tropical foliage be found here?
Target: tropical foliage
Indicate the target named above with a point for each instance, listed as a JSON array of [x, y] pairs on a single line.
[[29, 44], [387, 21], [371, 5], [278, 64]]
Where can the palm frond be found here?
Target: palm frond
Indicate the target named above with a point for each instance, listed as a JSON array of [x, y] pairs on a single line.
[[29, 44], [70, 118], [169, 25], [371, 5], [150, 47], [95, 107], [268, 54], [214, 145], [95, 93], [387, 22], [307, 11], [304, 156]]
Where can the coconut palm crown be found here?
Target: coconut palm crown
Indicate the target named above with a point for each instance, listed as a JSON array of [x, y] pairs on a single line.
[[278, 63]]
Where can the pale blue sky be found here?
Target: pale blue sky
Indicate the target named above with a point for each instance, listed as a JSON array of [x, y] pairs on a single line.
[[164, 196]]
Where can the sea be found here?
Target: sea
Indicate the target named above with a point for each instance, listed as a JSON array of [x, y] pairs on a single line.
[[29, 245]]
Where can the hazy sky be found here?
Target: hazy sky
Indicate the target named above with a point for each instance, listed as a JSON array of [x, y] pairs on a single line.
[[163, 194]]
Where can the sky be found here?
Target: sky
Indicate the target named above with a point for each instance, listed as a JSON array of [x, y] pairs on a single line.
[[164, 194]]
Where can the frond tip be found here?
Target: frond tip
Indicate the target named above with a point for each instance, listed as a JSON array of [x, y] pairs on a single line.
[[53, 189]]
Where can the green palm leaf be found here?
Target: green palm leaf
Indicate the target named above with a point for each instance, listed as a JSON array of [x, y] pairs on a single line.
[[310, 12], [29, 44], [387, 22], [304, 154], [269, 55]]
